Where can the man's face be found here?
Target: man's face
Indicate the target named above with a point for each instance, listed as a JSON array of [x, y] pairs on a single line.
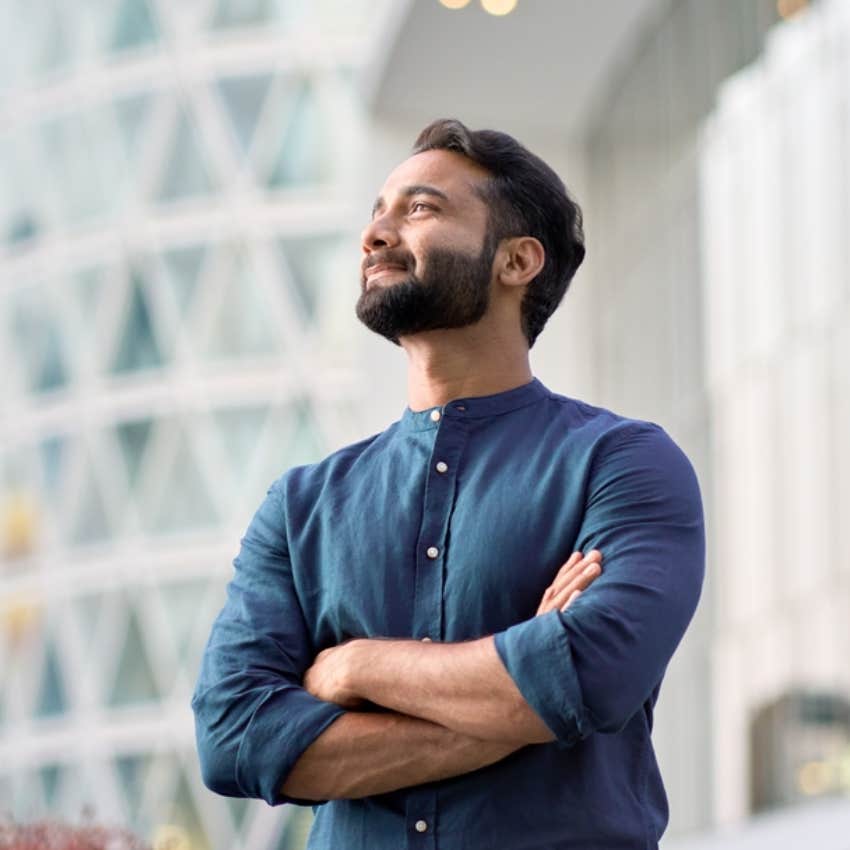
[[427, 258]]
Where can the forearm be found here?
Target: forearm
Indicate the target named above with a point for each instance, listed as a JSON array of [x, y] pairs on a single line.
[[462, 686], [361, 754]]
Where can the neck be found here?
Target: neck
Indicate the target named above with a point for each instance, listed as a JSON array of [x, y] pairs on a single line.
[[449, 364]]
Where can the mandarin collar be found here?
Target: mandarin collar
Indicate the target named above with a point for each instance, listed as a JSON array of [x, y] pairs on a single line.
[[475, 407]]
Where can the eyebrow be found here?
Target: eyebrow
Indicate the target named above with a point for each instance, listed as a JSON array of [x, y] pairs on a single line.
[[410, 191]]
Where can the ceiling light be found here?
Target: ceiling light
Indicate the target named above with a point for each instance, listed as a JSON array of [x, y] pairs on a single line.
[[499, 7], [455, 4]]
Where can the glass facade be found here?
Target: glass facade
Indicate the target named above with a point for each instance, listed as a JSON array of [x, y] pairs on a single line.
[[177, 242]]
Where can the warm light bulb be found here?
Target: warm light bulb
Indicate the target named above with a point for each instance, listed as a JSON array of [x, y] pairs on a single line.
[[455, 4], [815, 778], [169, 836], [789, 8], [499, 7]]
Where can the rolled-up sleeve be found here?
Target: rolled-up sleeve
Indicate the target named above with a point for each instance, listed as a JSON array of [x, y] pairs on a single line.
[[253, 719], [590, 668]]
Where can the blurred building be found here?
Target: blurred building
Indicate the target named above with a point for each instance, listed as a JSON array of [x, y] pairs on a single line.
[[177, 246], [181, 188]]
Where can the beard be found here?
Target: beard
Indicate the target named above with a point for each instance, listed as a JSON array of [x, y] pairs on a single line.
[[453, 292]]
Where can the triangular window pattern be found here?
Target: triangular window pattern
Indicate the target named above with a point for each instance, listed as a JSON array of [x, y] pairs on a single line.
[[55, 52], [38, 342], [52, 451], [68, 148], [243, 99], [52, 696], [303, 158], [242, 326], [132, 773], [242, 13], [134, 25], [87, 610], [185, 502], [183, 603], [308, 263], [182, 269], [305, 444], [184, 814], [239, 808], [186, 174], [134, 680], [26, 330], [91, 523], [137, 346], [52, 373], [51, 777], [22, 226], [88, 285], [28, 792], [133, 438], [240, 430], [131, 115]]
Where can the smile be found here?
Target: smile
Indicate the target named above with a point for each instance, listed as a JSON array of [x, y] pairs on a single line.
[[381, 268]]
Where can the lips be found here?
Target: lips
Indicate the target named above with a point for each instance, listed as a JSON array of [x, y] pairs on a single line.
[[378, 268]]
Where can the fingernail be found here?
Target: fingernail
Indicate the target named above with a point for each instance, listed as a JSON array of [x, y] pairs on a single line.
[[590, 569]]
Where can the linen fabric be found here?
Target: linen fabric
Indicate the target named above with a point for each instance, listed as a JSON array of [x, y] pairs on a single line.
[[450, 525]]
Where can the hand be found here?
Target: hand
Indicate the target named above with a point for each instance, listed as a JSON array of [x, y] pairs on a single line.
[[329, 678], [573, 577]]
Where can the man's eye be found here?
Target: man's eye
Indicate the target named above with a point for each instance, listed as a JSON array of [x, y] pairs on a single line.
[[419, 206]]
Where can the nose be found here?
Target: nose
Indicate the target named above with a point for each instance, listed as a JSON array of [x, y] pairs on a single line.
[[379, 233]]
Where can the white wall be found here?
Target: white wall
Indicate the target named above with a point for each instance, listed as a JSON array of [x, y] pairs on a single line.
[[776, 214]]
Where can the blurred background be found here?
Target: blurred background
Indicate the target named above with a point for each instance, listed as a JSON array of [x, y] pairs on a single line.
[[182, 186]]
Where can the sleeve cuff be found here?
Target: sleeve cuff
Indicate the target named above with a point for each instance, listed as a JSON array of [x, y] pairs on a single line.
[[536, 653], [283, 725]]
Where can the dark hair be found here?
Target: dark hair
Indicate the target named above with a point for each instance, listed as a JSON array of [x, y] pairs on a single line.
[[525, 198]]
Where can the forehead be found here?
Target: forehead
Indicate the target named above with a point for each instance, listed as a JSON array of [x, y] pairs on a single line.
[[452, 173]]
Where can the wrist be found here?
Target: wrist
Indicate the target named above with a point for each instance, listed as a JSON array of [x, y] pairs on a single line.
[[356, 651]]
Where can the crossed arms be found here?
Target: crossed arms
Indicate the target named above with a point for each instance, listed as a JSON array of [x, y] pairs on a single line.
[[453, 708], [275, 722]]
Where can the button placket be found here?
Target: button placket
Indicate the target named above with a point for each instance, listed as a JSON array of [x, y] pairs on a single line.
[[438, 501], [432, 556]]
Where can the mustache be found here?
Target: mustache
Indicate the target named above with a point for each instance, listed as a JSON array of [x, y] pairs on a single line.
[[390, 258]]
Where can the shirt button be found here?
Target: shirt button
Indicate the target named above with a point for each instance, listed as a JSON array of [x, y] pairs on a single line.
[[435, 415], [421, 826], [432, 552], [442, 467]]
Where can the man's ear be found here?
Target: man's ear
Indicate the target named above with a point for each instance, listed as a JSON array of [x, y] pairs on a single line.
[[519, 260]]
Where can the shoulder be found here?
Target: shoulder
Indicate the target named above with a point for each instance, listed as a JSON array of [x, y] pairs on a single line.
[[312, 479], [618, 448], [602, 430]]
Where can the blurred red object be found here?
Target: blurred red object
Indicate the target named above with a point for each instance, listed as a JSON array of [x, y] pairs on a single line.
[[49, 835]]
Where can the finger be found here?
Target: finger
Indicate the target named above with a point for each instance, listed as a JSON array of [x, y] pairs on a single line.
[[581, 581], [573, 596], [563, 577], [569, 564], [548, 593], [577, 570]]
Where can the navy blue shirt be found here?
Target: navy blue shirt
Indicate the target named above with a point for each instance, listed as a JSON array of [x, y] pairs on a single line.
[[503, 488]]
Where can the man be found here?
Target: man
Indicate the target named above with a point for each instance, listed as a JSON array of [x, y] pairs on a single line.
[[400, 641]]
